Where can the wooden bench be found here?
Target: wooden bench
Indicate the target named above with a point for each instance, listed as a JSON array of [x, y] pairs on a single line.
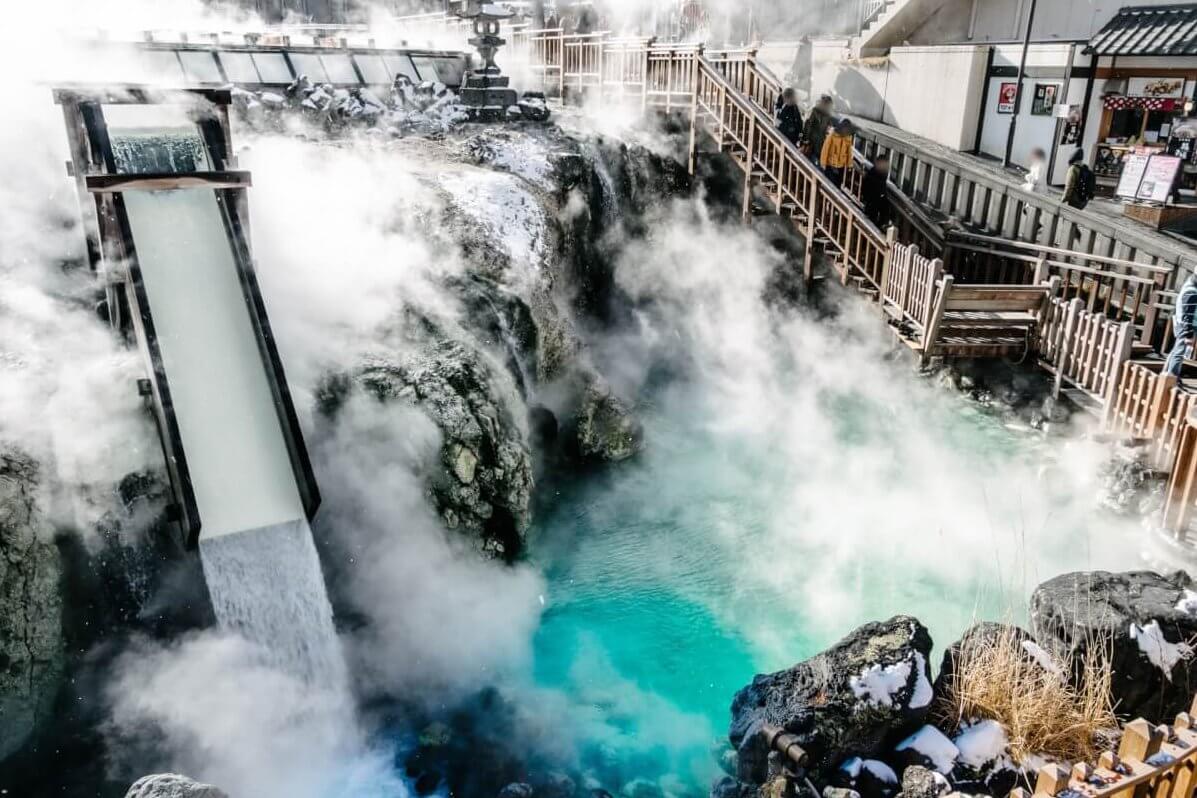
[[983, 320]]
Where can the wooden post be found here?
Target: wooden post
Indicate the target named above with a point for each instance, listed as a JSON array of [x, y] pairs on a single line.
[[1160, 399], [1052, 780], [1123, 348], [1040, 276], [695, 82], [644, 75], [808, 256], [891, 239], [1064, 351], [931, 331], [1179, 503], [749, 162]]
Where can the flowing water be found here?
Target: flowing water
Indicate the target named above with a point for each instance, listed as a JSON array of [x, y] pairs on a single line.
[[266, 585]]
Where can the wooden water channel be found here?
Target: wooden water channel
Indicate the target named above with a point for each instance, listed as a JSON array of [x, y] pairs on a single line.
[[1090, 319]]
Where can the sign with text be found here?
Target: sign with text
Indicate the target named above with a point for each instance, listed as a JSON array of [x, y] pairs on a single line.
[[1155, 87], [1158, 178], [1133, 168], [1006, 95]]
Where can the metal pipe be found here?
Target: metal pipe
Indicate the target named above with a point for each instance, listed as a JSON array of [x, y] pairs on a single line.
[[786, 744], [1022, 69]]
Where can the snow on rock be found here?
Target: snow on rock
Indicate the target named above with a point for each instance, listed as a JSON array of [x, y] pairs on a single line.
[[1037, 653], [923, 693], [982, 743], [1187, 603], [521, 155], [1161, 653], [878, 684], [933, 746]]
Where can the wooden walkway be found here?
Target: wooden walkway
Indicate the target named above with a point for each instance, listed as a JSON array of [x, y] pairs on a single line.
[[1094, 322]]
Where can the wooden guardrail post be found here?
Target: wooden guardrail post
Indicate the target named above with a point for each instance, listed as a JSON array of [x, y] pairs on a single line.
[[891, 239], [1178, 506], [931, 331], [1071, 319], [1040, 270], [1123, 348], [695, 84], [749, 165], [808, 256], [1160, 399]]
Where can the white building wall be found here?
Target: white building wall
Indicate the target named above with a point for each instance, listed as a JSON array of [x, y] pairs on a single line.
[[1005, 20], [933, 92]]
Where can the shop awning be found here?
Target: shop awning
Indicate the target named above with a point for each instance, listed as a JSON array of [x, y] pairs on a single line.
[[1149, 30]]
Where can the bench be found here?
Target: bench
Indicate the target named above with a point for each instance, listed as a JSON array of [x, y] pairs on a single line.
[[983, 320]]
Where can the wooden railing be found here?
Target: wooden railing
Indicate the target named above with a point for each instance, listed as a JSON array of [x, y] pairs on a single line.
[[909, 293], [1117, 289], [1082, 348], [1151, 761]]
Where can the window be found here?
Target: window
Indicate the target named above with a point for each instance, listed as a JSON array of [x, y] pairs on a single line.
[[272, 67], [239, 67], [200, 66], [308, 64], [339, 68], [374, 69], [401, 65], [427, 68], [451, 70], [162, 66]]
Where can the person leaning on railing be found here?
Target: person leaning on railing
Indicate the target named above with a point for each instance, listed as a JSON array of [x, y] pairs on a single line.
[[1183, 326]]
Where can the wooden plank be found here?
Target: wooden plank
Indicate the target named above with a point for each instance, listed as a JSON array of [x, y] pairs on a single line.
[[158, 181]]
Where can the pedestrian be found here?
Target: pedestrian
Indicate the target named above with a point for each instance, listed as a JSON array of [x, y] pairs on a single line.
[[1081, 184], [1036, 178], [836, 157], [815, 130], [789, 117], [874, 192], [1184, 326]]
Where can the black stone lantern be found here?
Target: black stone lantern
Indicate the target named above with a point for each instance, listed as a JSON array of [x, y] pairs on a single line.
[[487, 93]]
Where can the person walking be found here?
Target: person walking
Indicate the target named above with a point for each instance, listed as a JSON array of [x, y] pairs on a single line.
[[874, 193], [836, 157], [815, 131], [1184, 326], [789, 117], [1036, 177], [1081, 184]]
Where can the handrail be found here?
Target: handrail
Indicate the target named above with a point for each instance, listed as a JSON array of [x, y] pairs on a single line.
[[1068, 253]]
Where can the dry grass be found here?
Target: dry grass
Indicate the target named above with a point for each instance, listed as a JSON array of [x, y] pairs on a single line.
[[1042, 712]]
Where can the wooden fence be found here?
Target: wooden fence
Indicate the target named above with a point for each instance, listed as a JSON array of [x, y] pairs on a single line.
[[909, 294], [1083, 348], [1151, 762]]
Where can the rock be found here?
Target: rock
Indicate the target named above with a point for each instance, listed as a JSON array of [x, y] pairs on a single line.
[[1149, 621], [554, 785], [485, 486], [517, 790], [871, 778], [172, 785], [32, 653], [851, 700], [921, 782], [840, 792], [607, 429], [728, 787]]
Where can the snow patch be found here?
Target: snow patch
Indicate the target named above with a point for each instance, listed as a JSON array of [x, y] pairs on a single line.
[[982, 743], [877, 769], [1040, 655], [934, 745], [1157, 649], [1187, 603], [923, 693], [878, 684]]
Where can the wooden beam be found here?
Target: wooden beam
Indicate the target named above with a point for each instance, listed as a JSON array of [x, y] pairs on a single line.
[[159, 181]]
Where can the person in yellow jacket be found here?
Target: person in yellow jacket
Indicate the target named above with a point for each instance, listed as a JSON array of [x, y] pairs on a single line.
[[836, 157]]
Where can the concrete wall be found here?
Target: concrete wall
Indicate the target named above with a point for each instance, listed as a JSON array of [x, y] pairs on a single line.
[[932, 92], [1005, 20]]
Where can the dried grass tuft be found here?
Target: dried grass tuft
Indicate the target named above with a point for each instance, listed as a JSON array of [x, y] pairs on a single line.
[[1042, 712]]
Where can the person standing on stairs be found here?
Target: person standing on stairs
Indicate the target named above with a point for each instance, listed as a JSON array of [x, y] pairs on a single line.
[[789, 117], [1184, 326], [837, 152], [874, 193], [817, 125]]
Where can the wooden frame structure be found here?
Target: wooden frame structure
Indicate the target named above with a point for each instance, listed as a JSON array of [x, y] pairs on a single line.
[[101, 186]]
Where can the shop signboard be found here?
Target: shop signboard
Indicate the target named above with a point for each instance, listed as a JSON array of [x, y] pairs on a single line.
[[1159, 88], [1045, 99], [1134, 166], [1158, 178]]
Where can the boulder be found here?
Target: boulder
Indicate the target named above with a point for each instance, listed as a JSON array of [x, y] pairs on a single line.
[[921, 782], [484, 487], [976, 635], [1148, 620], [172, 785], [32, 653], [607, 429], [517, 789], [851, 700]]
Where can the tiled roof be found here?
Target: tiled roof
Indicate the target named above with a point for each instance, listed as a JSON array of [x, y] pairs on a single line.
[[1149, 30]]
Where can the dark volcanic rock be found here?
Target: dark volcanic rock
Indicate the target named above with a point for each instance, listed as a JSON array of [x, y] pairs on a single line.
[[607, 429], [32, 656], [921, 782], [485, 484], [1149, 621], [976, 635], [850, 700], [172, 785]]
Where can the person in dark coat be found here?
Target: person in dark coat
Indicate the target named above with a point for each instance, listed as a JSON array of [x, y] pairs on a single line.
[[789, 117], [817, 125], [874, 192]]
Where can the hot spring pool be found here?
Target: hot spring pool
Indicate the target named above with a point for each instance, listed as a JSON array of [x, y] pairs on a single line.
[[675, 578]]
